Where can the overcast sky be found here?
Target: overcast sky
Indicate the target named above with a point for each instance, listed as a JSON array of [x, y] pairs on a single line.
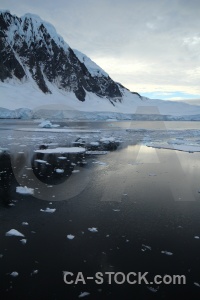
[[150, 46]]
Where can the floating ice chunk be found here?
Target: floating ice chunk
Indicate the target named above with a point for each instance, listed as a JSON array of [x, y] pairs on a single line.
[[116, 209], [25, 223], [83, 294], [24, 190], [14, 232], [167, 252], [62, 157], [48, 210], [93, 229], [14, 274], [47, 124], [34, 272], [197, 284], [145, 247], [70, 236], [75, 171], [41, 161], [23, 241], [196, 237], [62, 150], [59, 171], [154, 290]]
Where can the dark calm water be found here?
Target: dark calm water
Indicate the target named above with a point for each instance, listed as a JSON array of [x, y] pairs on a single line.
[[141, 200]]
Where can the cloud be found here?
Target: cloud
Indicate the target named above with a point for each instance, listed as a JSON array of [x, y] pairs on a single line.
[[145, 45]]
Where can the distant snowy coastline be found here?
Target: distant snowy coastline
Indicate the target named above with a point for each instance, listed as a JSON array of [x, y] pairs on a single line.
[[74, 115]]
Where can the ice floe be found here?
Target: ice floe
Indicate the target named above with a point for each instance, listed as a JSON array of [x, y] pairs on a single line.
[[60, 171], [47, 124], [24, 190], [197, 284], [14, 274], [23, 241], [154, 290], [34, 272], [70, 236], [14, 232], [41, 161], [48, 210], [62, 150], [167, 252], [93, 229], [25, 223], [145, 247], [83, 294], [196, 237]]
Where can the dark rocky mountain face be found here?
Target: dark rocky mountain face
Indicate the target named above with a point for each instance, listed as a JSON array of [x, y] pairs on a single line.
[[32, 50]]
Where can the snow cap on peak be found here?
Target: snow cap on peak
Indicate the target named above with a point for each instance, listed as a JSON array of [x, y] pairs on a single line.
[[92, 67], [37, 21]]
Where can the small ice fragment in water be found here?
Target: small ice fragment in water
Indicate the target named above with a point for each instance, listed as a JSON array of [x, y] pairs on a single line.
[[167, 252], [34, 272], [24, 223], [83, 294], [145, 247], [23, 241], [116, 209], [197, 284], [196, 237], [93, 229], [48, 210], [75, 171], [14, 232], [70, 236], [14, 274], [24, 190], [1, 255], [154, 290], [59, 171]]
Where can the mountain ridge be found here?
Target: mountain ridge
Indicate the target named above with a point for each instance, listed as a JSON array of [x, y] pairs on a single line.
[[32, 49]]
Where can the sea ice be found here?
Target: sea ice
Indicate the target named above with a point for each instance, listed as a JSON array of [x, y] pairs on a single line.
[[167, 252], [93, 229], [47, 124], [197, 284], [14, 274], [24, 190], [70, 236], [83, 294], [59, 171], [14, 232], [48, 210], [62, 150], [23, 241]]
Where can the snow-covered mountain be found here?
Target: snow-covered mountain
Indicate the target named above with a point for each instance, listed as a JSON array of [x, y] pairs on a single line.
[[31, 50], [39, 70]]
